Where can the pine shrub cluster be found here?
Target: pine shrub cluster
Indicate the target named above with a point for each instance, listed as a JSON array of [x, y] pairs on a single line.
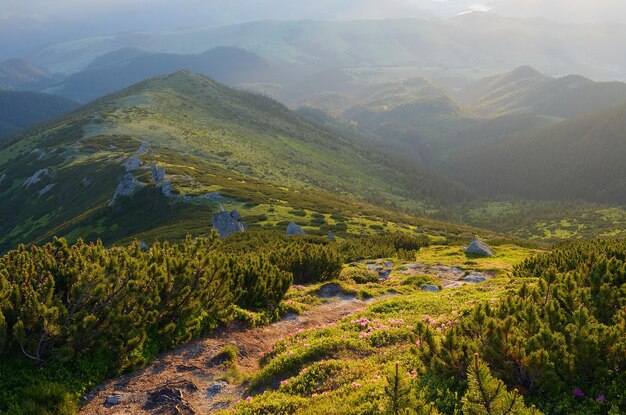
[[560, 339]]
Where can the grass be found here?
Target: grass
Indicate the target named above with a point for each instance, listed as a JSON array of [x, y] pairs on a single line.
[[341, 368]]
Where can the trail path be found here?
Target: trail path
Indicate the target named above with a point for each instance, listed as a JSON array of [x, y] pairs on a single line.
[[184, 381]]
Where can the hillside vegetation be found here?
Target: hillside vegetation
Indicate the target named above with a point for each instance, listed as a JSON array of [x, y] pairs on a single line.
[[271, 164], [577, 159], [120, 69], [21, 109]]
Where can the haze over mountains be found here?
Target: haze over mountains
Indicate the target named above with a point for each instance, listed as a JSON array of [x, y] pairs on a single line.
[[423, 101]]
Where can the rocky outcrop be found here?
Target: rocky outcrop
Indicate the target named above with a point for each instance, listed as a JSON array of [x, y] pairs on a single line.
[[226, 223], [293, 229], [35, 178], [46, 189], [127, 187], [477, 247], [474, 277], [143, 149], [431, 288], [86, 182], [166, 188], [40, 153], [132, 163], [158, 173]]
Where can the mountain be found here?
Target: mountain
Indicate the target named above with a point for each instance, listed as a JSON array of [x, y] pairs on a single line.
[[23, 74], [116, 70], [270, 163], [22, 109], [471, 46], [527, 90], [577, 159]]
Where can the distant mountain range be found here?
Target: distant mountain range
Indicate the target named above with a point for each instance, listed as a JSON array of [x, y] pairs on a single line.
[[124, 67], [471, 46], [23, 74]]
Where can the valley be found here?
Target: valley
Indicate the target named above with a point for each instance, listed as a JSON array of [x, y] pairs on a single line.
[[349, 214]]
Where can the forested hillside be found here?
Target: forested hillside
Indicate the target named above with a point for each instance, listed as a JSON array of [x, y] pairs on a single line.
[[581, 158], [21, 109]]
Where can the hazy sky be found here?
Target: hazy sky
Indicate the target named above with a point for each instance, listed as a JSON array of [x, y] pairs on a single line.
[[26, 25]]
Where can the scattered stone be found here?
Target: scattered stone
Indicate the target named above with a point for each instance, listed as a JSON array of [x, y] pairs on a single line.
[[46, 189], [166, 188], [412, 266], [477, 247], [40, 152], [374, 267], [431, 288], [389, 264], [127, 187], [227, 223], [330, 236], [215, 388], [158, 173], [35, 178], [132, 163], [474, 277], [143, 149], [87, 181], [2, 177], [384, 274], [329, 290], [293, 229], [113, 400], [143, 246], [211, 196]]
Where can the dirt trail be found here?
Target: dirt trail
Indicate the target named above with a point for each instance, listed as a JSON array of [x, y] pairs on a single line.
[[184, 381]]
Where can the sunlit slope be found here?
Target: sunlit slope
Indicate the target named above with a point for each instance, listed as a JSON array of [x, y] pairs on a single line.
[[263, 159]]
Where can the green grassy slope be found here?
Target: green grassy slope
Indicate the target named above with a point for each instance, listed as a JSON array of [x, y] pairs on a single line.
[[270, 163]]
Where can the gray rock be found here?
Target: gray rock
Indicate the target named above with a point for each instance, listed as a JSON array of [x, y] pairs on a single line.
[[158, 173], [143, 246], [330, 236], [389, 264], [225, 224], [132, 163], [431, 288], [211, 196], [113, 400], [215, 388], [46, 189], [293, 229], [2, 177], [474, 277], [41, 154], [329, 290], [384, 274], [375, 267], [87, 181], [166, 188], [143, 149], [235, 215], [412, 266], [35, 178], [127, 187], [477, 247]]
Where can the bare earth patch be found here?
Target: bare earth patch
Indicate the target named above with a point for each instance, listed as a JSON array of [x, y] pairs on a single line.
[[187, 380]]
